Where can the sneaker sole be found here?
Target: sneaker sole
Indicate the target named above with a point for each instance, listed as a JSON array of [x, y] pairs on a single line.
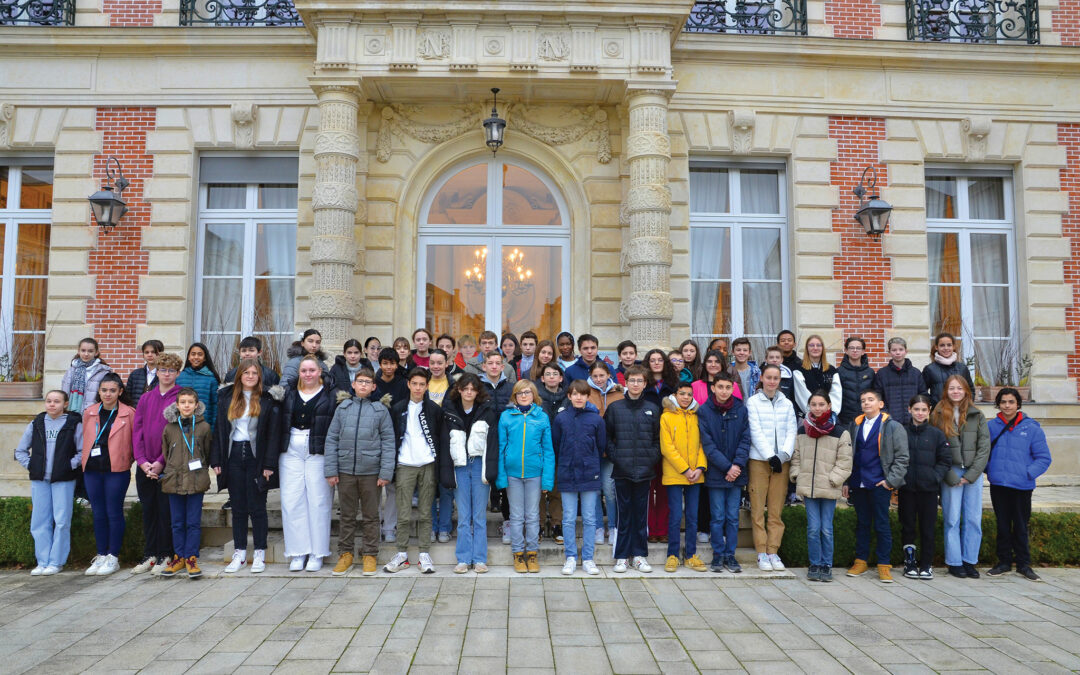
[[194, 576], [368, 574], [335, 573]]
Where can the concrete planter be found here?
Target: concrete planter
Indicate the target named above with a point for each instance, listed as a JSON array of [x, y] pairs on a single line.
[[10, 391]]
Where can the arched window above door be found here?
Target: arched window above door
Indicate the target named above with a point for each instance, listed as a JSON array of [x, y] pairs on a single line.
[[495, 193]]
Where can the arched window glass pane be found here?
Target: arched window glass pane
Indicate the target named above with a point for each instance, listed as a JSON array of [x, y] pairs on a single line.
[[526, 200], [462, 200]]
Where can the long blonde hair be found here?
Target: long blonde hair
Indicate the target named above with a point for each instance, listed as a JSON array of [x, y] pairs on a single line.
[[807, 363], [239, 403], [944, 416]]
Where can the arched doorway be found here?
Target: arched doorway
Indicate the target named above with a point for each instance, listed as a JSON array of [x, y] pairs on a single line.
[[486, 220]]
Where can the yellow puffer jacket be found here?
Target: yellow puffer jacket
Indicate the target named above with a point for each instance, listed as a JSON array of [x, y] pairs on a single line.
[[680, 442]]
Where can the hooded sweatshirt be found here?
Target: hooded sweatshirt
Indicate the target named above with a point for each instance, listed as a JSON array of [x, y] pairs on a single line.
[[149, 423], [601, 398]]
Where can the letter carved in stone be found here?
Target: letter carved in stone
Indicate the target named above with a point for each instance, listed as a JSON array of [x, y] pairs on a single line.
[[396, 121], [243, 117], [433, 45], [590, 123], [552, 47]]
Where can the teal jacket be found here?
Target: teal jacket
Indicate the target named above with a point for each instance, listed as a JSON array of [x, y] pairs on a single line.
[[525, 449], [205, 384]]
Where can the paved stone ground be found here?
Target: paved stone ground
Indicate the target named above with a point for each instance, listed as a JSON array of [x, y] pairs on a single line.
[[441, 623]]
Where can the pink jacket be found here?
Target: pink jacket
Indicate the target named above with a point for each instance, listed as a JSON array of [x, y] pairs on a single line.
[[120, 453]]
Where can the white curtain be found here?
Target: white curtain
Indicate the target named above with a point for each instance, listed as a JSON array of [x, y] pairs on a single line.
[[940, 197], [762, 299], [708, 190], [759, 190], [710, 259], [990, 299], [986, 198]]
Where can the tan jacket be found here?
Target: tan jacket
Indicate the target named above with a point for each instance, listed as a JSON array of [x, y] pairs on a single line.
[[177, 478], [820, 466]]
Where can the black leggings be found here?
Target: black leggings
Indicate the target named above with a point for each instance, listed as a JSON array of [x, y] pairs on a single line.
[[247, 499], [923, 507]]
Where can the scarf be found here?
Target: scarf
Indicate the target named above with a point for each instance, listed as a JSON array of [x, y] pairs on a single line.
[[822, 426], [726, 405], [938, 358], [78, 384], [524, 409]]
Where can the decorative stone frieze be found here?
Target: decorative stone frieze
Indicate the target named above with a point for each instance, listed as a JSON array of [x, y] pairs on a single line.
[[591, 123], [741, 121], [243, 119], [976, 130]]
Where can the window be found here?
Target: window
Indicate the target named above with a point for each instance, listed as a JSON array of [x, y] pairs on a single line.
[[247, 254], [972, 262], [494, 220], [738, 253], [25, 217]]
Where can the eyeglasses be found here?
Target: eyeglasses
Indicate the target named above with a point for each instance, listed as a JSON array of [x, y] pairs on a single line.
[[635, 380], [365, 382], [168, 370], [674, 361]]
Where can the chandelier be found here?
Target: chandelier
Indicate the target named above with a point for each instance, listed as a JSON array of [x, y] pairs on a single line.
[[516, 275]]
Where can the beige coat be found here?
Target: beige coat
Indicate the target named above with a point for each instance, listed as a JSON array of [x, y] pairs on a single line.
[[820, 466]]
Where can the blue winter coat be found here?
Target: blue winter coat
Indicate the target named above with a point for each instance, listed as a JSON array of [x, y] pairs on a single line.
[[725, 437], [1019, 455], [580, 439], [525, 449], [579, 370], [205, 384]]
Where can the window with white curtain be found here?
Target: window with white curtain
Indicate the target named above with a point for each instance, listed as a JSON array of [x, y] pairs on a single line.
[[246, 254], [738, 253], [972, 263]]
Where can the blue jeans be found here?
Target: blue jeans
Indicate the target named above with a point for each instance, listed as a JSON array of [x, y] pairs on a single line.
[[186, 514], [676, 494], [872, 510], [50, 520], [961, 509], [819, 533], [724, 507], [106, 491], [590, 502], [442, 511], [607, 486], [472, 499], [524, 497]]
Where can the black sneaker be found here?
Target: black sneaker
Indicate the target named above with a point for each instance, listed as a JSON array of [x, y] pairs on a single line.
[[227, 505], [813, 574], [1029, 574], [958, 571], [911, 571], [999, 569], [733, 565], [926, 574], [971, 571], [717, 565], [825, 573]]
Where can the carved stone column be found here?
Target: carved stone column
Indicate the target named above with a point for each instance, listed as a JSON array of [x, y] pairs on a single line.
[[336, 205], [648, 151]]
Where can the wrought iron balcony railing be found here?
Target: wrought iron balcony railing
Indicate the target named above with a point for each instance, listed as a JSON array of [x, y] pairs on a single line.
[[37, 12], [981, 21], [753, 17], [239, 13]]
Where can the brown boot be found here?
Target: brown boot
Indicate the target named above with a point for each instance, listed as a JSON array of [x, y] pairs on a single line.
[[175, 566], [532, 561], [858, 568], [193, 571], [885, 573], [519, 563]]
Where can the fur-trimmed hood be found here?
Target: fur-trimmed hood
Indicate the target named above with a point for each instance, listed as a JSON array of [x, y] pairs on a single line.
[[296, 349], [671, 404], [172, 413]]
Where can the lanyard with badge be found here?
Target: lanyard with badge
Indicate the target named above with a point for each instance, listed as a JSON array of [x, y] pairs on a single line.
[[194, 464], [95, 450]]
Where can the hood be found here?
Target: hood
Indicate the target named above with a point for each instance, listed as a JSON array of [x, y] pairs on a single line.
[[589, 407], [342, 396], [277, 392], [672, 405], [845, 363], [884, 418], [551, 396], [172, 413], [611, 386], [902, 369], [293, 351]]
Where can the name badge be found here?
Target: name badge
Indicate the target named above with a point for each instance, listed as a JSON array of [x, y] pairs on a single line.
[[194, 465], [95, 451]]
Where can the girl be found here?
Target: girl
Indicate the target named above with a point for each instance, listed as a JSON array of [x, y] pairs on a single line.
[[511, 350], [526, 467], [83, 376], [372, 347], [466, 351], [347, 365], [945, 361], [715, 363], [199, 374], [474, 447], [678, 364], [664, 378], [929, 460], [49, 450], [691, 359], [107, 457], [820, 465], [602, 389], [309, 343], [856, 376], [306, 497], [772, 442], [581, 439], [721, 345], [965, 429], [816, 373], [545, 354], [186, 445], [404, 352], [423, 340], [245, 457]]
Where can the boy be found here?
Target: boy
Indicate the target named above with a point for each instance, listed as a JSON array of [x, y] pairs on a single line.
[[489, 342], [627, 352], [443, 505], [725, 439], [423, 456], [251, 348], [775, 356], [447, 344], [528, 353], [785, 340], [553, 393], [879, 465], [856, 376], [684, 467], [898, 380], [564, 345], [633, 429], [144, 378], [185, 445], [579, 438], [744, 368], [496, 380], [390, 388], [359, 461], [588, 346]]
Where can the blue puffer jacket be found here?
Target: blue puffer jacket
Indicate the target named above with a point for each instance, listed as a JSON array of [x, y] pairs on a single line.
[[525, 449], [205, 384], [725, 437], [1019, 456], [580, 441]]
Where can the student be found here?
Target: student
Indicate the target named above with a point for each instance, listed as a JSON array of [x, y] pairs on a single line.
[[146, 430], [564, 343], [251, 348], [442, 508], [664, 378], [785, 340], [199, 374], [360, 456], [372, 347], [691, 359], [440, 382], [422, 339], [775, 356], [683, 466], [602, 387], [526, 468], [496, 380], [545, 354], [816, 373], [899, 381], [185, 446], [474, 449], [49, 450], [466, 351], [422, 439], [715, 364], [720, 344], [819, 467], [1019, 455], [245, 457], [511, 350], [404, 356], [945, 361], [627, 352], [633, 446], [966, 430], [83, 376], [744, 369], [309, 343], [306, 498], [725, 439], [678, 363], [489, 342], [772, 442], [929, 461], [390, 386], [144, 378], [587, 346], [528, 354], [449, 345], [346, 366], [553, 400], [879, 465], [856, 376], [580, 439], [106, 466]]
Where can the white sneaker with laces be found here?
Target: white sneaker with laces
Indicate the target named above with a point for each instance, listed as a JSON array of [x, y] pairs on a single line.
[[777, 564], [50, 570], [36, 572], [506, 533], [258, 561], [145, 566], [95, 566], [763, 562], [569, 566], [109, 565], [703, 537], [642, 565], [620, 566], [157, 569], [599, 539], [238, 560], [399, 562], [297, 563], [590, 567], [314, 563], [426, 566]]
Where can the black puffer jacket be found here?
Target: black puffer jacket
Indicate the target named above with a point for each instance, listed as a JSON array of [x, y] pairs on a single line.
[[553, 403], [929, 458], [439, 432], [633, 431], [854, 380], [67, 446], [935, 374], [340, 372], [264, 441], [326, 402], [899, 385], [137, 385]]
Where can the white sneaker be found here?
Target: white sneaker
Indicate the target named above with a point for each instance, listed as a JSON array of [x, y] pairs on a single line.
[[569, 567], [36, 572], [258, 561], [109, 565], [160, 566], [703, 537], [506, 532], [642, 565], [397, 563], [50, 570], [95, 566], [590, 567], [145, 566], [426, 566], [297, 563], [599, 535], [238, 559], [314, 563], [763, 563], [777, 564], [390, 537], [620, 566]]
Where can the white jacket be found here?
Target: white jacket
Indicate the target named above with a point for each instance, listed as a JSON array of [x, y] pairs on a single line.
[[772, 426], [475, 445]]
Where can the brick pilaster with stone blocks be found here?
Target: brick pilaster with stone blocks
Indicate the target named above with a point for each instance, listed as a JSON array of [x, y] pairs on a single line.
[[131, 13], [1069, 138], [853, 18]]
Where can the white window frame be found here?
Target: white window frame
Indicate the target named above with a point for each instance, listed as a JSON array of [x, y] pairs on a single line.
[[735, 221]]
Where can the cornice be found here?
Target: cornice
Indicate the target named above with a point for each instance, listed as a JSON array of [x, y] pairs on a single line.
[[155, 41]]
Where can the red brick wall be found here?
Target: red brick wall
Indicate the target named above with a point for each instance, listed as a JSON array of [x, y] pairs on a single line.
[[1069, 137], [132, 12], [853, 18], [862, 268], [1066, 22], [119, 260]]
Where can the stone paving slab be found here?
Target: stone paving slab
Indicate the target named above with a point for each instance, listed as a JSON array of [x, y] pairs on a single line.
[[280, 622]]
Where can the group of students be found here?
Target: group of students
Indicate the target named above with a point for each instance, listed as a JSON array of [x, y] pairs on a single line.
[[669, 440]]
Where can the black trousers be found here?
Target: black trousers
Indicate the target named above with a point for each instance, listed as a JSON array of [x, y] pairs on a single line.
[[704, 517], [247, 499], [632, 514], [1012, 508], [920, 506], [156, 521]]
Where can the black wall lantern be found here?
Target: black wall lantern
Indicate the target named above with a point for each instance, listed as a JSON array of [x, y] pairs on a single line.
[[494, 126], [873, 214], [107, 206]]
